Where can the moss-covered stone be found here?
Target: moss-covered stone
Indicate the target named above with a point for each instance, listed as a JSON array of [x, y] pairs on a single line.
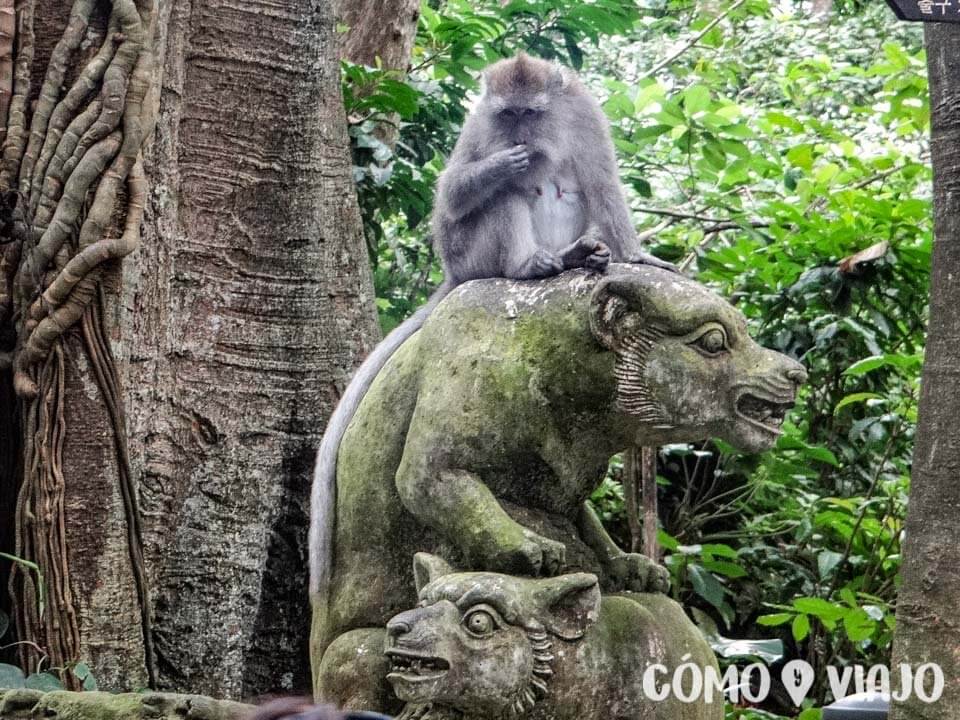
[[482, 437], [24, 704]]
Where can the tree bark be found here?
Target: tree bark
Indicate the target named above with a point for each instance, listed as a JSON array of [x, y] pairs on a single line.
[[822, 9], [233, 328], [928, 606], [378, 29]]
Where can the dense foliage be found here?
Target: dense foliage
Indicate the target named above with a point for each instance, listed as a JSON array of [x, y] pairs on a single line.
[[782, 159]]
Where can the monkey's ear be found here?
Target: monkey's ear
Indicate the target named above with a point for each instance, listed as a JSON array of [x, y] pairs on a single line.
[[568, 604], [427, 568], [558, 78], [611, 301]]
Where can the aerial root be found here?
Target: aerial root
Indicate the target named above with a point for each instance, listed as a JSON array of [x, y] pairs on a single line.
[[8, 30], [16, 140], [66, 165], [64, 114]]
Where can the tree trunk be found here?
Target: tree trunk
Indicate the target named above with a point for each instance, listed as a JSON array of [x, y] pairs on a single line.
[[378, 29], [232, 330], [822, 9], [928, 606]]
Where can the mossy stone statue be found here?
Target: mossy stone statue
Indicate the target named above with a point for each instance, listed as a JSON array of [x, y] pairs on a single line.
[[484, 435]]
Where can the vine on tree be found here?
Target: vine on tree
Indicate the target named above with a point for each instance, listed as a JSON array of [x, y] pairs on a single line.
[[69, 168]]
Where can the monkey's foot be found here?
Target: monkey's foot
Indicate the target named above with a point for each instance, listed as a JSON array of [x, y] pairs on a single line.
[[542, 263], [643, 258], [633, 572], [587, 252]]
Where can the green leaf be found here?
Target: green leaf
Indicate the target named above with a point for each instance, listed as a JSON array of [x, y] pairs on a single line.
[[775, 619], [720, 550], [827, 560], [904, 362], [696, 98], [85, 676], [821, 609], [858, 625], [769, 651], [705, 584], [800, 627], [10, 677], [856, 398], [45, 682], [726, 568]]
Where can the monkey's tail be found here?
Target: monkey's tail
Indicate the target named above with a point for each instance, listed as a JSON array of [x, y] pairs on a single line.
[[323, 493]]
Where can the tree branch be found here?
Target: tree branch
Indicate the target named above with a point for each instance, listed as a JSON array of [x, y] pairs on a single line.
[[697, 38]]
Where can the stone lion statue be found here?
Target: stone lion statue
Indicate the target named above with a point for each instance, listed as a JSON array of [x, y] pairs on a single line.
[[485, 433], [485, 645]]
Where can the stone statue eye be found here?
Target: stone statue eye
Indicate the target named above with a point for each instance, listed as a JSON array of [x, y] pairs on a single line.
[[480, 622], [712, 342]]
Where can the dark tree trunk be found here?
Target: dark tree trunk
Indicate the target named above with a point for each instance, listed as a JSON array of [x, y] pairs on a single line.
[[233, 328], [928, 606]]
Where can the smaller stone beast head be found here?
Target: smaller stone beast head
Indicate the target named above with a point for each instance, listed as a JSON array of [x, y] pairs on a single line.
[[685, 365], [481, 643]]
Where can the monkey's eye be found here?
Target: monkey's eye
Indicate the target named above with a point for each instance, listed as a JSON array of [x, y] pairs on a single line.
[[712, 342], [480, 621], [508, 114], [530, 113]]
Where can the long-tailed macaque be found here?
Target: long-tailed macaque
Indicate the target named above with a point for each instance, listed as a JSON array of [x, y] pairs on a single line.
[[531, 189], [532, 186]]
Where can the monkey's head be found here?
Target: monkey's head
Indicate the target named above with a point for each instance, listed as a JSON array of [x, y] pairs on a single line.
[[520, 102]]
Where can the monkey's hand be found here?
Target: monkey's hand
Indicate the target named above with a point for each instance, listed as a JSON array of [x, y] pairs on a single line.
[[642, 258], [587, 252], [510, 162], [633, 572]]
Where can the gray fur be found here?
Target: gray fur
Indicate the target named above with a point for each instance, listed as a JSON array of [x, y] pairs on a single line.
[[536, 136], [490, 220]]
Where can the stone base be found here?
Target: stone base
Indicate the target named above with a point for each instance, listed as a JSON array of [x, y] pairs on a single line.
[[24, 704]]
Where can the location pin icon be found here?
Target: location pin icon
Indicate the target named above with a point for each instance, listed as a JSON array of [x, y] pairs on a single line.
[[797, 678]]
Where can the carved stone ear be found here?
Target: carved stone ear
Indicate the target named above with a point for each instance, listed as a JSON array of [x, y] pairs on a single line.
[[607, 308], [569, 604], [427, 568]]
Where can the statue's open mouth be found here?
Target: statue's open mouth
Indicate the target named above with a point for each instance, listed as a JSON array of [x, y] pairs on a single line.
[[413, 666], [767, 414]]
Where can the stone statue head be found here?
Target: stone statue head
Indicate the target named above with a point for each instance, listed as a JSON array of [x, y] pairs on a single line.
[[685, 365], [481, 643]]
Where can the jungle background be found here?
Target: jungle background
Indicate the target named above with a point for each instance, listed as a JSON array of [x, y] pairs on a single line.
[[776, 150]]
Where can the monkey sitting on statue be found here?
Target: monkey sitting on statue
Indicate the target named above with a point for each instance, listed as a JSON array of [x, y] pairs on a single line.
[[532, 186], [531, 189]]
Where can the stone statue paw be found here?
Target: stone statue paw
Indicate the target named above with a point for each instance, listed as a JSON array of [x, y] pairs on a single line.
[[532, 555], [633, 572]]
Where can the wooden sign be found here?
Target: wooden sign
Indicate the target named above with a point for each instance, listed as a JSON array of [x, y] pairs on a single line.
[[927, 10]]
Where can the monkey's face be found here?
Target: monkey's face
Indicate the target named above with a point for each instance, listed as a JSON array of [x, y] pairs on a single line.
[[521, 122], [522, 119]]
